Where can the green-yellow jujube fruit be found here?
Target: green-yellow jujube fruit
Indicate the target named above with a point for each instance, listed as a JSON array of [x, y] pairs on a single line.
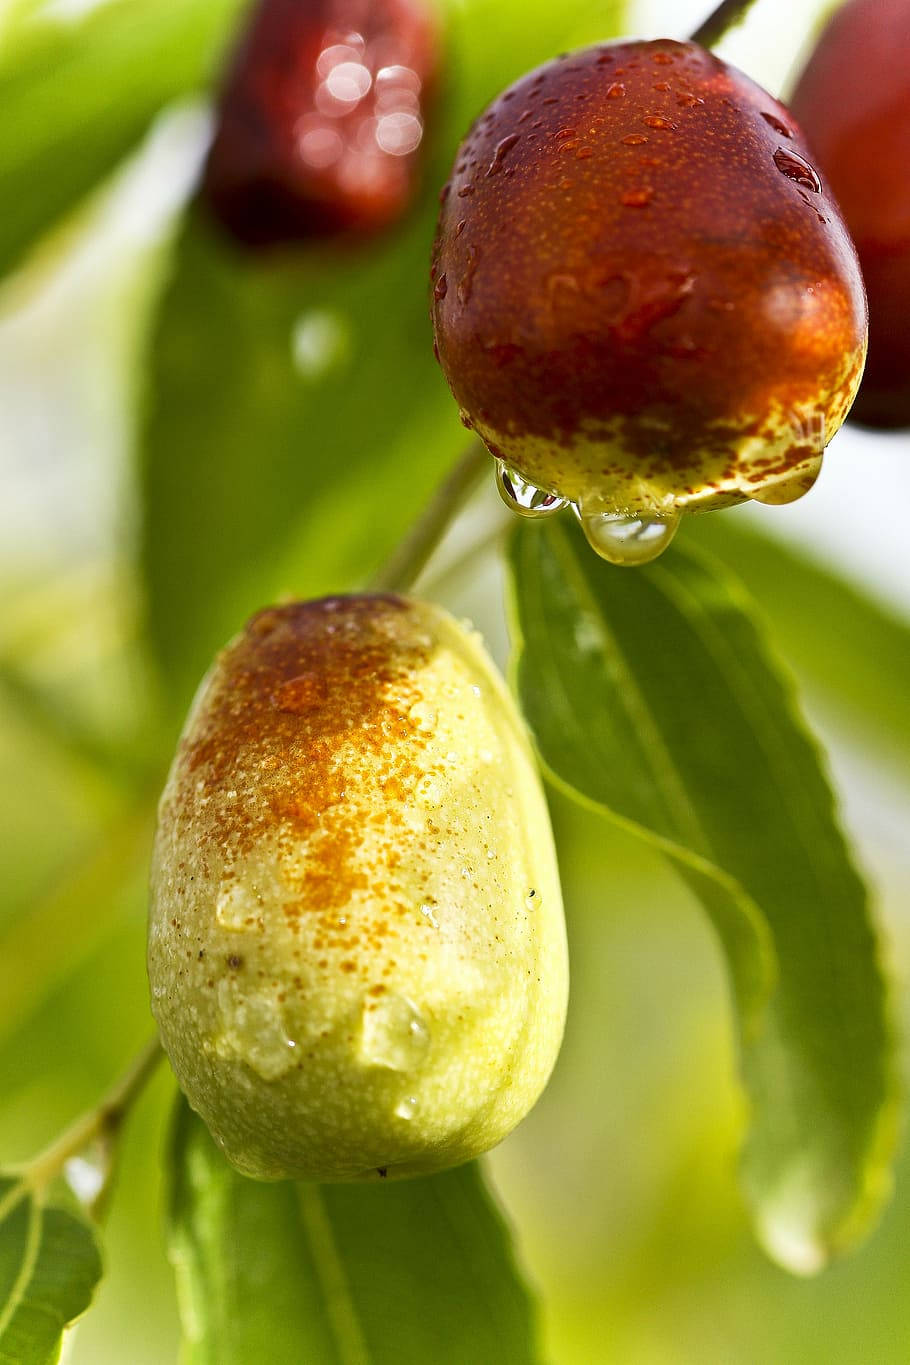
[[356, 951]]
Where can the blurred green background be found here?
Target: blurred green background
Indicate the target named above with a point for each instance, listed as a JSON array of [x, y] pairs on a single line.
[[183, 436]]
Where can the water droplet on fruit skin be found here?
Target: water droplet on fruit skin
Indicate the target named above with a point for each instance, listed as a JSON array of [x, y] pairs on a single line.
[[523, 497], [407, 1108], [394, 1034], [501, 152], [440, 289], [796, 168], [429, 915], [777, 124], [783, 491], [238, 905], [628, 539], [254, 1031]]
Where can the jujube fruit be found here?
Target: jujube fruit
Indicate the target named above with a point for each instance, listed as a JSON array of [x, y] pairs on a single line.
[[853, 100], [320, 121], [644, 299], [356, 951]]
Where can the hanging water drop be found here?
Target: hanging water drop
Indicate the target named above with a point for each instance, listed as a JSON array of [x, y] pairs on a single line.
[[523, 497], [624, 539], [793, 487]]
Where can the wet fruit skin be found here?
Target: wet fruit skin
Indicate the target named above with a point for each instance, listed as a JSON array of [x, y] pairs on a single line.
[[320, 121], [853, 101], [357, 953], [643, 296]]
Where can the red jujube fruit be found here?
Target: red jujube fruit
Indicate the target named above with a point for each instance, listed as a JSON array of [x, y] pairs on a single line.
[[320, 119], [853, 100], [645, 300]]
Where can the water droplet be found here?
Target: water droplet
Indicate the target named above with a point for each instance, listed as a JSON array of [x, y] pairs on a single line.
[[254, 1031], [466, 283], [616, 91], [533, 899], [796, 168], [300, 694], [459, 227], [501, 152], [634, 139], [395, 1034], [407, 1108], [637, 199], [777, 124], [422, 716], [658, 121], [429, 915], [624, 539], [465, 191], [523, 497], [440, 288], [686, 100], [238, 905], [790, 489]]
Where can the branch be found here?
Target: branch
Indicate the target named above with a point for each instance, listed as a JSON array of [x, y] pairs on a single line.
[[728, 14]]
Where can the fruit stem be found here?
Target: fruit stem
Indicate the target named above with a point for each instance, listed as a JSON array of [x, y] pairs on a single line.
[[408, 560], [103, 1121], [728, 14]]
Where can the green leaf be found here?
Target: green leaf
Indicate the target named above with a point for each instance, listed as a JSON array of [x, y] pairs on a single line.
[[653, 696], [49, 1266], [264, 474], [852, 651], [77, 96], [413, 1271]]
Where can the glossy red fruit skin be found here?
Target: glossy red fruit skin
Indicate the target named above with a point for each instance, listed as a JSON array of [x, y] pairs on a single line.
[[320, 119], [635, 304], [853, 101]]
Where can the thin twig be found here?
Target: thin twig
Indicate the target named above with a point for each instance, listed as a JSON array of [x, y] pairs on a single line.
[[406, 563], [728, 14], [102, 1121]]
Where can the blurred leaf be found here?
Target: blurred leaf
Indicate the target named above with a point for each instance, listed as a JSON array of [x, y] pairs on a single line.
[[49, 1266], [297, 420], [61, 928], [852, 650], [651, 693], [416, 1270], [77, 96]]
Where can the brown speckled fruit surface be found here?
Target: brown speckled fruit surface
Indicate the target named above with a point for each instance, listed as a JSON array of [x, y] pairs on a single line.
[[853, 100], [319, 124], [643, 295], [356, 946]]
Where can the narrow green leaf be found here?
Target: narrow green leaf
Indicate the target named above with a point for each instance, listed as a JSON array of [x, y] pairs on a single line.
[[852, 651], [49, 1266], [413, 1271], [653, 696], [77, 96]]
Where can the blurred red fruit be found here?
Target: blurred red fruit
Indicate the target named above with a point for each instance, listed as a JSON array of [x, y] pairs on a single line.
[[320, 119], [853, 101]]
